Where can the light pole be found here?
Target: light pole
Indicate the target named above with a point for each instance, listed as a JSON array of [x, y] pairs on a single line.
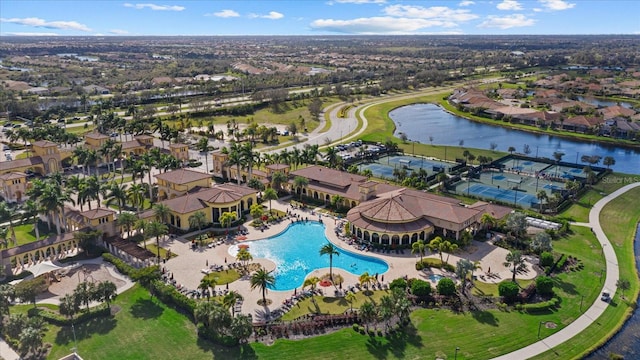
[[75, 346], [539, 326], [455, 357]]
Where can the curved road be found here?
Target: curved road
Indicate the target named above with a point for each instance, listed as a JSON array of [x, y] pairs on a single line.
[[598, 307]]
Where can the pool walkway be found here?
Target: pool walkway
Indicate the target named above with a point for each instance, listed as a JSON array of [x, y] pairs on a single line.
[[187, 267]]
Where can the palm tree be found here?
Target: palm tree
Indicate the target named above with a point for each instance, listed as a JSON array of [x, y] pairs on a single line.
[[463, 267], [270, 194], [487, 221], [69, 306], [329, 249], [442, 246], [368, 313], [249, 157], [141, 226], [135, 195], [206, 283], [227, 218], [32, 210], [387, 310], [337, 201], [203, 146], [106, 291], [157, 229], [515, 259], [542, 197], [198, 220], [92, 190], [299, 183], [118, 194], [76, 183], [161, 212], [244, 256], [365, 279], [52, 201], [148, 161], [6, 213], [230, 299], [277, 179], [332, 156], [262, 279], [235, 158], [419, 247], [311, 282], [350, 298], [127, 220]]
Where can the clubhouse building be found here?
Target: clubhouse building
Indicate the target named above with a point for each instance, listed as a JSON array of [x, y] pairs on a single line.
[[391, 215]]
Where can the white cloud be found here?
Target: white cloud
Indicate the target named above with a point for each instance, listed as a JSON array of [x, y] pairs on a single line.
[[226, 13], [155, 7], [556, 5], [466, 3], [442, 13], [361, 1], [510, 5], [41, 23], [29, 34], [507, 22], [272, 15], [379, 25], [118, 32]]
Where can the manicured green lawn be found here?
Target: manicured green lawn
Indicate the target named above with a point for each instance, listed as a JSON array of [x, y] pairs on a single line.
[[579, 210], [332, 305], [25, 233], [619, 219], [144, 328]]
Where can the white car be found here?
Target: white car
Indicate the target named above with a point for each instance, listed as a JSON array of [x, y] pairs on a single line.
[[606, 296]]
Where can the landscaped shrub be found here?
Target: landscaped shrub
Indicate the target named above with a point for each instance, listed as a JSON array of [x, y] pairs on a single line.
[[508, 290], [546, 259], [170, 295], [436, 263], [59, 320], [209, 334], [356, 327], [371, 332], [544, 285], [399, 283], [446, 287], [122, 266], [420, 288], [542, 306]]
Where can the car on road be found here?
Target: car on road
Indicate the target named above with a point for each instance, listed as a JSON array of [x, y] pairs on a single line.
[[606, 296]]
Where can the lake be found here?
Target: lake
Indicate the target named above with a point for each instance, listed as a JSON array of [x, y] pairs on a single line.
[[420, 121]]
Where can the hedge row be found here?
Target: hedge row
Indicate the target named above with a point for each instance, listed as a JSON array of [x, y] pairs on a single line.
[[122, 266], [541, 306], [59, 320], [170, 295], [434, 263]]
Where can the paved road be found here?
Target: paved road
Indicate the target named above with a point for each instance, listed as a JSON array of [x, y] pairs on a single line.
[[598, 307]]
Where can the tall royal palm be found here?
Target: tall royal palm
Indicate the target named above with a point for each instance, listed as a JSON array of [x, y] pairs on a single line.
[[329, 249], [75, 183], [52, 200], [31, 211], [262, 279], [161, 212], [249, 158], [203, 146], [117, 194], [148, 160], [135, 195], [235, 159], [157, 229], [92, 190]]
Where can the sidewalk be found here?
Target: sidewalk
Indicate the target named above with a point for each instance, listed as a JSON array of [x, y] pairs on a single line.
[[598, 307]]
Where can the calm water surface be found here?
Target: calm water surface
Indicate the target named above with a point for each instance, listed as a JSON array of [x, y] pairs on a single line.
[[420, 121]]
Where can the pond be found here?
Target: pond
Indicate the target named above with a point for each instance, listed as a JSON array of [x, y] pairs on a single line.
[[604, 103], [422, 121]]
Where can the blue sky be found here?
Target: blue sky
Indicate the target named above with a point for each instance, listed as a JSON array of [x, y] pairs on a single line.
[[311, 17]]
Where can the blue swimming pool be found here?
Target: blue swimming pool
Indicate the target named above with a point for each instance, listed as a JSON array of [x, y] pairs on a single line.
[[296, 253]]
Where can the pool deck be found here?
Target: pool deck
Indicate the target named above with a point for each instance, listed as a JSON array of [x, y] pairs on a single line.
[[186, 267]]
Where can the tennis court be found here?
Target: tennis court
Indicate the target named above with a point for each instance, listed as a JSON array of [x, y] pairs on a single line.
[[527, 166], [383, 167], [566, 172], [505, 195]]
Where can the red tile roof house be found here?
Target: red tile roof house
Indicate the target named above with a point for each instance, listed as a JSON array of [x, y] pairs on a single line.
[[615, 111], [392, 215], [582, 123]]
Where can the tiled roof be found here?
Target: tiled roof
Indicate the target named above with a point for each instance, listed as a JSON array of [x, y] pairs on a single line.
[[44, 143], [12, 176], [178, 145], [198, 198], [14, 164], [277, 166], [95, 135], [328, 176], [97, 213], [182, 176], [132, 144]]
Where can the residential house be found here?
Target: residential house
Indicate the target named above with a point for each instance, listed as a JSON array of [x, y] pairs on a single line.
[[178, 182], [13, 186]]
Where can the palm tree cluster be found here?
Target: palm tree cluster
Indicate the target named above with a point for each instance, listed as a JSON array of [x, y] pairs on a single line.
[[48, 197], [214, 320], [242, 156], [394, 304], [84, 294]]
